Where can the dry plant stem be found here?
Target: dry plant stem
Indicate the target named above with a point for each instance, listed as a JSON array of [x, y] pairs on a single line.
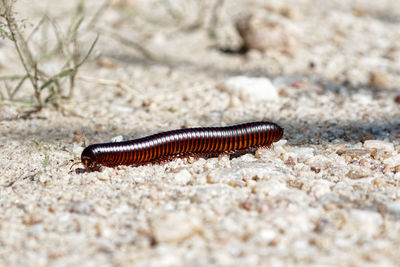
[[129, 43], [74, 63], [98, 14], [73, 54], [69, 46], [12, 77], [23, 102], [22, 50], [36, 28], [171, 10], [71, 84], [21, 82], [118, 84], [201, 14], [67, 43], [74, 67], [107, 82], [215, 17]]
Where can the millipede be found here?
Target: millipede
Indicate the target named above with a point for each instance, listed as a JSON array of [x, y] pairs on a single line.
[[202, 141]]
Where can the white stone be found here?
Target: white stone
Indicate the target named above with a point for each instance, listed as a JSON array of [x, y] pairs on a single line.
[[268, 235], [123, 209], [271, 188], [77, 149], [303, 153], [379, 144], [249, 89], [367, 222], [392, 161], [319, 161], [319, 188], [80, 207], [124, 109], [166, 256], [183, 177], [174, 227], [394, 207], [36, 229], [281, 142], [228, 176], [117, 138], [8, 112]]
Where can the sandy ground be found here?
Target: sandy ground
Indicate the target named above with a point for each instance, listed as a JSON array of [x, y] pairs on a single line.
[[326, 194]]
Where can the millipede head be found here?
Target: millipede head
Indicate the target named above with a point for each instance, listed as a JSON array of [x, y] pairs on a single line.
[[88, 158], [280, 133]]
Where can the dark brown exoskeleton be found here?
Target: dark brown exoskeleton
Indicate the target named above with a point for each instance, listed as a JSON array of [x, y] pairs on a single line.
[[182, 142]]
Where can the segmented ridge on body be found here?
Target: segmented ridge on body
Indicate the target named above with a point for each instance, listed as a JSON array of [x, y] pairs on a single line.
[[180, 142]]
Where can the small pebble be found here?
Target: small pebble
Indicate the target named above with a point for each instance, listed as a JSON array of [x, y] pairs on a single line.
[[303, 153], [319, 162], [265, 31], [174, 227], [394, 208], [367, 222], [117, 138], [379, 182], [378, 79], [80, 207], [124, 109], [271, 188], [354, 153], [356, 172], [8, 112], [107, 63], [268, 235], [392, 162], [379, 144], [319, 189], [251, 90], [183, 177]]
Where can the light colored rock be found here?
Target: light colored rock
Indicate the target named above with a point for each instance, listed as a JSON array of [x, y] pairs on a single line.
[[353, 153], [183, 177], [394, 208], [267, 235], [271, 188], [366, 222], [319, 162], [250, 89], [233, 177], [117, 138], [357, 172], [265, 31], [174, 227], [319, 189], [80, 207], [392, 161], [124, 109], [8, 112], [378, 79], [379, 144], [77, 149], [167, 256], [303, 153]]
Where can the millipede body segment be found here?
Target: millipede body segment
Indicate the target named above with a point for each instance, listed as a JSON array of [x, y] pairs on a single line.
[[182, 142]]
